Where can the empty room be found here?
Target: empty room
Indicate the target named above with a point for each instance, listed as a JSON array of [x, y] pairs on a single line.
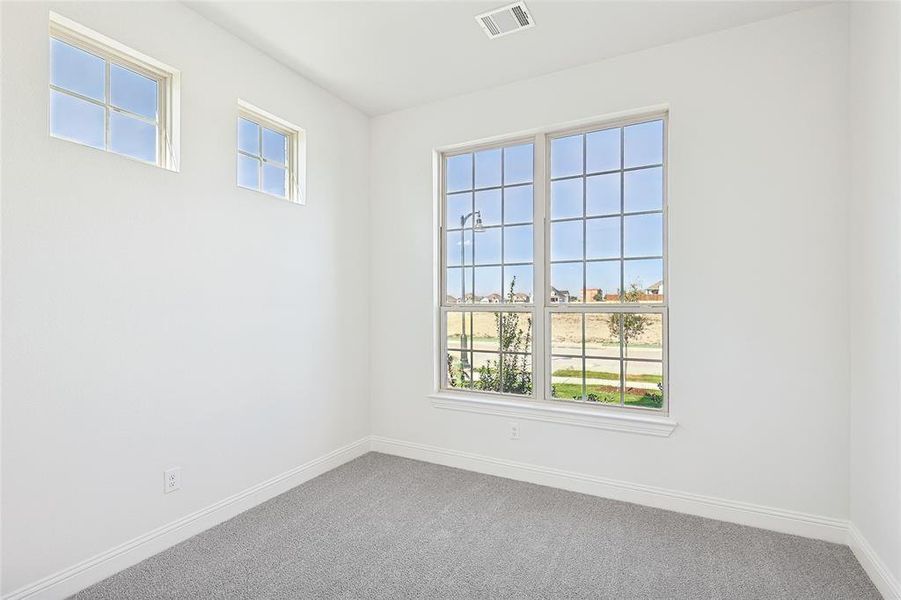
[[450, 300]]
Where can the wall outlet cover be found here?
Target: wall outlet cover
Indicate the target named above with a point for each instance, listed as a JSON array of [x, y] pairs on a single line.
[[171, 479]]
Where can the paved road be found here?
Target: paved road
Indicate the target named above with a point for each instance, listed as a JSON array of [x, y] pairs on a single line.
[[596, 364]]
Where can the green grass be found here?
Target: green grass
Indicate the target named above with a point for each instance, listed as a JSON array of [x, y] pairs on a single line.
[[609, 395], [646, 378]]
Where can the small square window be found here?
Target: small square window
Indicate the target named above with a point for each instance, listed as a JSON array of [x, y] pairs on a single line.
[[270, 154], [110, 97]]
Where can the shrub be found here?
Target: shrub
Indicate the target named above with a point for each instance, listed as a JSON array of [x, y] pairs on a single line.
[[511, 373]]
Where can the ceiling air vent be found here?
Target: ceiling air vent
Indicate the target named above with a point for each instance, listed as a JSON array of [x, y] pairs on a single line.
[[508, 19]]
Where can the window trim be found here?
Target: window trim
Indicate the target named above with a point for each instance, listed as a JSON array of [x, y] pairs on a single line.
[[296, 151], [623, 417], [555, 411], [112, 52], [586, 308]]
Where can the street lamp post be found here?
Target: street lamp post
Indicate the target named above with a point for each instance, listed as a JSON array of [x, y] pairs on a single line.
[[477, 228]]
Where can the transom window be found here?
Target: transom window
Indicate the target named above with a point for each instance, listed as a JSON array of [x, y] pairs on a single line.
[[601, 312], [269, 154], [110, 97]]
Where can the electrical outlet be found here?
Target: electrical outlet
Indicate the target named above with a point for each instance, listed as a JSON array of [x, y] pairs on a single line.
[[514, 430], [171, 480]]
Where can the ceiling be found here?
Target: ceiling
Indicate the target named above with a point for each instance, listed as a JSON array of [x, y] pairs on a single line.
[[385, 56]]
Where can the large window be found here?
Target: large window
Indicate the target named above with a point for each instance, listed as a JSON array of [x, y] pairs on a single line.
[[600, 307], [110, 97]]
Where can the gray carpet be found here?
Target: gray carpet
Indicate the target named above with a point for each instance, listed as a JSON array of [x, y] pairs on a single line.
[[388, 527]]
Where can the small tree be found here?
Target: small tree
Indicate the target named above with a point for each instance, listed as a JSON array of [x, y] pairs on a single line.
[[629, 325], [598, 295], [511, 372], [457, 376]]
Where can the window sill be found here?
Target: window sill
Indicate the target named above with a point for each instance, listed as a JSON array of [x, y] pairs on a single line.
[[596, 417]]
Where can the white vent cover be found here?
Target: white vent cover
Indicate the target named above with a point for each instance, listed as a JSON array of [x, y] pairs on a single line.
[[508, 19]]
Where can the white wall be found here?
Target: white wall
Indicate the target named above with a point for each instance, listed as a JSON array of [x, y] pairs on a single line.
[[874, 279], [153, 319], [1, 303], [758, 199]]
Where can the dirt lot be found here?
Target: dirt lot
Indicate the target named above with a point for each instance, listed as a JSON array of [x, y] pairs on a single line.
[[566, 328]]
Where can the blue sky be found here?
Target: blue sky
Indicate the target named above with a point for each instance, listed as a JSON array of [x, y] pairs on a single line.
[[590, 222], [73, 118], [268, 144]]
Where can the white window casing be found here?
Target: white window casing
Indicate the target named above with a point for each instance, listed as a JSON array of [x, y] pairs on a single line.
[[640, 417], [295, 163], [112, 52]]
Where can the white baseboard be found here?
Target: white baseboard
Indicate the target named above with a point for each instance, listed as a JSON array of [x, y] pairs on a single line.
[[77, 577], [879, 573], [743, 513]]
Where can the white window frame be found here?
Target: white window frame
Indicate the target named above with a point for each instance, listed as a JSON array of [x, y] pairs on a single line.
[[540, 405], [112, 52], [500, 307], [296, 151]]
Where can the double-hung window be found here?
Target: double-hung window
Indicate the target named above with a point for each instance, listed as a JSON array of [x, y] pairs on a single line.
[[110, 97], [588, 282]]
